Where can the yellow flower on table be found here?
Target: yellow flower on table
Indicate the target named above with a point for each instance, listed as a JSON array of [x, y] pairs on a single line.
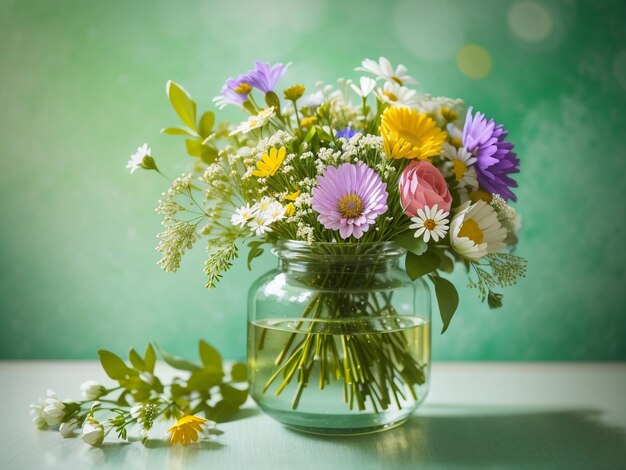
[[186, 429], [408, 133], [270, 163]]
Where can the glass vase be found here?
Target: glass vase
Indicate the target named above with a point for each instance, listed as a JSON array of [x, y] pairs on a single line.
[[339, 338]]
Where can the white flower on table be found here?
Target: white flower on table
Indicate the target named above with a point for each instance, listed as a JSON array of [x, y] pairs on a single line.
[[67, 429], [91, 390], [93, 432], [49, 411]]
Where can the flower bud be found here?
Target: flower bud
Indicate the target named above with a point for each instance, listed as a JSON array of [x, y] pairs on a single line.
[[93, 432], [67, 429], [91, 390]]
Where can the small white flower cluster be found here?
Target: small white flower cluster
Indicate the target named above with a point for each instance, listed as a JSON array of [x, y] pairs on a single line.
[[180, 185], [168, 208], [48, 412], [506, 214], [173, 242], [305, 232], [259, 216], [278, 139]]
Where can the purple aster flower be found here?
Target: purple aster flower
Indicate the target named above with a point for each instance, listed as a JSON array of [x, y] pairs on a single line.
[[233, 92], [495, 159], [349, 198], [347, 133], [265, 76]]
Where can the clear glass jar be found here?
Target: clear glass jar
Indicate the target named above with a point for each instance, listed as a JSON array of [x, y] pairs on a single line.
[[339, 338]]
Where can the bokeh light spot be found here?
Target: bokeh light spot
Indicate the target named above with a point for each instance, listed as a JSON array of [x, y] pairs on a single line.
[[474, 61], [530, 21]]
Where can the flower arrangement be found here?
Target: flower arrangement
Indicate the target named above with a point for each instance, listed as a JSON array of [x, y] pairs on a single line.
[[420, 170], [358, 164], [141, 398]]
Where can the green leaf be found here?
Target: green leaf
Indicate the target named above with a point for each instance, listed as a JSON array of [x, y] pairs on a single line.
[[182, 104], [209, 356], [410, 243], [177, 131], [232, 399], [255, 252], [121, 400], [205, 126], [113, 365], [446, 263], [177, 362], [208, 154], [194, 147], [136, 360], [239, 372], [417, 266], [202, 380], [149, 358], [310, 134], [272, 99], [447, 298]]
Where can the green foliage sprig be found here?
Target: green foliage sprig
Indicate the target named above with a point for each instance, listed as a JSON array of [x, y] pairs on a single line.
[[141, 397]]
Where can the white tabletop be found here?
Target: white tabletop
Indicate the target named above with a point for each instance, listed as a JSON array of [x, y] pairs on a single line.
[[477, 415]]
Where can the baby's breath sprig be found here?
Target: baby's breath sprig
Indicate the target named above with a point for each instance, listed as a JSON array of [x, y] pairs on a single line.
[[496, 270]]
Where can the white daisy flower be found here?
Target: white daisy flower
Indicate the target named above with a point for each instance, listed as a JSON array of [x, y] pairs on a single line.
[[366, 86], [275, 212], [396, 95], [430, 223], [137, 159], [242, 215], [461, 165], [263, 206], [383, 69], [254, 122], [260, 224], [475, 230]]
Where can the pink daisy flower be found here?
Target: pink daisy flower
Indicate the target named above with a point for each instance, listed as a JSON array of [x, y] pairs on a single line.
[[349, 198]]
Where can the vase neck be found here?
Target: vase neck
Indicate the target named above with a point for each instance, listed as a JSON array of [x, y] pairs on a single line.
[[357, 258]]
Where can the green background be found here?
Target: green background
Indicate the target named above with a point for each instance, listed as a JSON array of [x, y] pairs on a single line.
[[83, 84]]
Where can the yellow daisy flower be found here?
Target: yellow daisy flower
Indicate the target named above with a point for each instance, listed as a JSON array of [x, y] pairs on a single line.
[[269, 164], [293, 196], [186, 429], [408, 133]]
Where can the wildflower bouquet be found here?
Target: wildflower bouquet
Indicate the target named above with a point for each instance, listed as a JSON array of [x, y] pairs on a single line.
[[353, 165]]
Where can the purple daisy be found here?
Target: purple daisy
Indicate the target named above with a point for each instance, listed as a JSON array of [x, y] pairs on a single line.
[[495, 159], [349, 198], [232, 92], [347, 133], [265, 76]]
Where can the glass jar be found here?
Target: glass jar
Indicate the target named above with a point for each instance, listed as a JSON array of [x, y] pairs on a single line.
[[339, 338]]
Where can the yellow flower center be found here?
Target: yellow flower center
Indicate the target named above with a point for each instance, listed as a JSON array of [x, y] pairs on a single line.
[[460, 169], [253, 122], [397, 80], [448, 114], [457, 142], [430, 224], [391, 96], [480, 195], [350, 206], [243, 89], [471, 230]]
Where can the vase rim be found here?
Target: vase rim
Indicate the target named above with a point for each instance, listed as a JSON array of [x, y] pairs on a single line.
[[337, 251]]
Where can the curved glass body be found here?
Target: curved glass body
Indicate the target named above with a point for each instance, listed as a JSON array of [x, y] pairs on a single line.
[[339, 338]]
